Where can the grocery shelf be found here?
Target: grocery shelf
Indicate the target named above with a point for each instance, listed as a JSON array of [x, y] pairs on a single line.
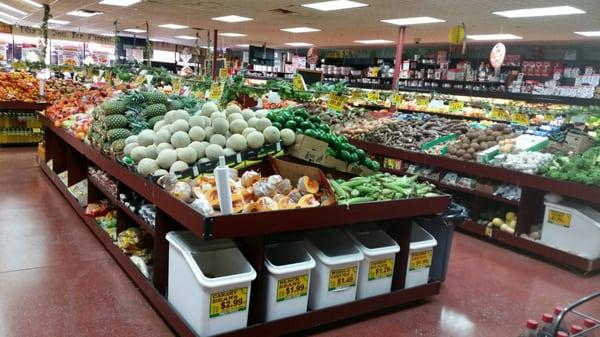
[[532, 247]]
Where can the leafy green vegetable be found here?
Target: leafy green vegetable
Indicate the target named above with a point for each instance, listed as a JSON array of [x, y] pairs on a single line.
[[583, 169]]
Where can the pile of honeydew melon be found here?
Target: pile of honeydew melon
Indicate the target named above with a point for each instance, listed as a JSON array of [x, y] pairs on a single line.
[[181, 140]]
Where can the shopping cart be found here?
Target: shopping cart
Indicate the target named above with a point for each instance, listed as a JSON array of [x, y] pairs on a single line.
[[571, 309]]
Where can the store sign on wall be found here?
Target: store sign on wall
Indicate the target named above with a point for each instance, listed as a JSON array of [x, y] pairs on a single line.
[[62, 35]]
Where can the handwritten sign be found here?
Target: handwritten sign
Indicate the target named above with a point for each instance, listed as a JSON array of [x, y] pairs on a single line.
[[521, 119], [499, 114], [335, 102], [216, 91], [299, 84], [223, 73], [456, 106], [373, 96], [422, 101]]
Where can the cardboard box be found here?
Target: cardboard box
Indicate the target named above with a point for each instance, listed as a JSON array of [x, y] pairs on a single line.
[[360, 170], [293, 172], [577, 143], [485, 188]]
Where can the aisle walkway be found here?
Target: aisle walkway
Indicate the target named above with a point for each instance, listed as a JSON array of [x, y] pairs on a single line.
[[57, 280]]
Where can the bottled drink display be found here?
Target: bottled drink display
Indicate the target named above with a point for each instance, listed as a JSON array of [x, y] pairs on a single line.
[[530, 329]]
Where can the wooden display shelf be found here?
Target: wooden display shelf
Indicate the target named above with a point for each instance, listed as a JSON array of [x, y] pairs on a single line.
[[532, 247], [19, 105]]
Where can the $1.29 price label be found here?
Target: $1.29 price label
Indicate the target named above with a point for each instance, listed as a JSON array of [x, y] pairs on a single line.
[[342, 278], [228, 302], [559, 218], [420, 260], [381, 269], [292, 287]]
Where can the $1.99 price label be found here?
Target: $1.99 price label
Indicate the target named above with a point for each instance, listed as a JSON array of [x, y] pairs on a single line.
[[420, 260], [342, 278], [381, 269], [228, 302], [292, 287]]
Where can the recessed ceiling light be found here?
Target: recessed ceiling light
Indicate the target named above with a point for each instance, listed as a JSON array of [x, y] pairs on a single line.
[[172, 26], [84, 13], [242, 45], [299, 44], [374, 41], [108, 34], [494, 37], [121, 3], [300, 30], [413, 21], [540, 11], [334, 5], [33, 3], [134, 30], [12, 9], [593, 33], [185, 37], [10, 16], [232, 18], [232, 34], [58, 22]]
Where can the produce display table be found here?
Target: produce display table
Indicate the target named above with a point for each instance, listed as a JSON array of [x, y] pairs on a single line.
[[530, 206], [252, 231]]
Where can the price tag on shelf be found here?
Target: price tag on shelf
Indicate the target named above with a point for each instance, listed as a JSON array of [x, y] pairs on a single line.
[[423, 101], [373, 96], [228, 302], [216, 91], [335, 102], [420, 260], [396, 99], [381, 269], [342, 278], [292, 287], [456, 106], [223, 73], [299, 84], [559, 218], [499, 114], [521, 119]]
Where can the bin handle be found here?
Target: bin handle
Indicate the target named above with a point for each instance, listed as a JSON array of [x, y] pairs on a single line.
[[341, 289]]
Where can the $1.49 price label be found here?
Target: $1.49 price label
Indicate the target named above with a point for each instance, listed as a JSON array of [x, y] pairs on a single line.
[[342, 278], [228, 302], [381, 269], [559, 218], [292, 287], [420, 260]]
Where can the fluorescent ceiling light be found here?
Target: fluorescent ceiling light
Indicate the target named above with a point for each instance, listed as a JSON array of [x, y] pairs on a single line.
[[157, 40], [108, 34], [232, 18], [84, 13], [172, 26], [589, 34], [134, 30], [185, 37], [299, 44], [33, 3], [413, 21], [494, 37], [12, 9], [242, 45], [121, 3], [232, 34], [300, 30], [6, 21], [58, 22], [334, 5], [540, 11], [373, 41], [10, 16]]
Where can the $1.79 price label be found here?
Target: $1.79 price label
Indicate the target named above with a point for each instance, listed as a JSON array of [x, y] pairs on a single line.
[[381, 269], [342, 278], [420, 260], [228, 302], [292, 287]]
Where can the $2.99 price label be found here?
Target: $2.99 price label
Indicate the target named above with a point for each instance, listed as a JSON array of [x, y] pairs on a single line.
[[292, 287], [420, 260], [228, 302], [381, 269], [342, 278]]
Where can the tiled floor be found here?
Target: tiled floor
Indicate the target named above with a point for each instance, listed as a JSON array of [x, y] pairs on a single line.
[[57, 280]]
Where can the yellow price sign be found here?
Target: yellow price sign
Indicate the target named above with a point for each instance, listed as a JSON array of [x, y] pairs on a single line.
[[292, 287], [456, 106], [223, 73], [342, 278], [356, 95], [176, 85], [199, 94], [299, 84], [397, 98], [373, 96], [559, 218], [499, 114], [420, 260], [549, 117], [216, 91], [228, 302], [139, 80], [336, 102], [522, 119], [381, 269], [422, 101]]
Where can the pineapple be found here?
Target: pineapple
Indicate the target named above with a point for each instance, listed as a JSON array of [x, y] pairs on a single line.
[[154, 97], [115, 134], [112, 107], [118, 145], [154, 120], [154, 110], [115, 121], [134, 99]]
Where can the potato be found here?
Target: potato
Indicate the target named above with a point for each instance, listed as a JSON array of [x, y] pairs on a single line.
[[471, 150]]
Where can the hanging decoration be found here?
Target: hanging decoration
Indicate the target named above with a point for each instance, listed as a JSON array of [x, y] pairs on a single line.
[[44, 28], [148, 46], [116, 37], [457, 34], [497, 55]]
